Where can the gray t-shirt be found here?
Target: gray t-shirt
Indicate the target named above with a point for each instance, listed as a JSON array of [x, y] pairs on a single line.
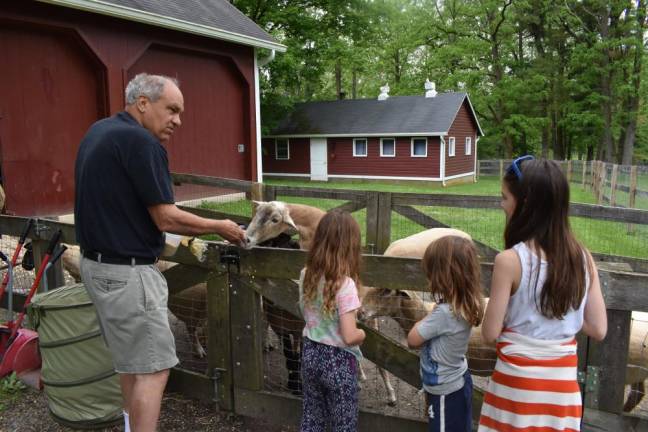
[[443, 357]]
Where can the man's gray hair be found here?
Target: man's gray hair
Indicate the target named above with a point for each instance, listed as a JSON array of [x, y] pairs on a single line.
[[150, 86]]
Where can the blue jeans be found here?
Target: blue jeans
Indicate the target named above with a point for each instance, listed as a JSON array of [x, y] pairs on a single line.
[[451, 412]]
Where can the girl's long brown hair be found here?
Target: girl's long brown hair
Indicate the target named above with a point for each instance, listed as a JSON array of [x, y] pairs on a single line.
[[541, 218], [452, 267], [335, 254]]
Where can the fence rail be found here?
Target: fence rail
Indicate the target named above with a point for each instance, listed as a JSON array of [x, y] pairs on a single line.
[[237, 327]]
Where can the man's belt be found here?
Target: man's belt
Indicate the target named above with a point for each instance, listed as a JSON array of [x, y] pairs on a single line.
[[108, 259]]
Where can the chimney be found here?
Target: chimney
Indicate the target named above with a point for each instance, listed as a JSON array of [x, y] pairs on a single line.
[[384, 93], [430, 89]]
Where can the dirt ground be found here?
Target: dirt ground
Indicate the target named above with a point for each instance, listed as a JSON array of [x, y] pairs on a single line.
[[29, 413]]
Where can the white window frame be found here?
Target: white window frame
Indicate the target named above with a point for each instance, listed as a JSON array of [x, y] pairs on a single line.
[[412, 146], [382, 154], [451, 146], [468, 146], [366, 147], [277, 148]]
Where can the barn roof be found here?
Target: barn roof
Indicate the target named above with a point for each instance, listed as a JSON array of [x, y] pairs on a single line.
[[217, 19], [398, 115]]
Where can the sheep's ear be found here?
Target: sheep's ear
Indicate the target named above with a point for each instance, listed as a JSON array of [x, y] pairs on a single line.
[[292, 227], [256, 204]]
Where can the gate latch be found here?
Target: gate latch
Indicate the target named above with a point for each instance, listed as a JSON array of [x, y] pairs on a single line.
[[231, 256]]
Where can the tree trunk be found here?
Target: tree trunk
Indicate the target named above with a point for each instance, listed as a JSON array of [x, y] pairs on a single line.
[[607, 145], [338, 78], [631, 128], [397, 67], [354, 84]]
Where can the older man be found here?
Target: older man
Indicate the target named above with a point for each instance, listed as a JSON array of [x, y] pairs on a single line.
[[124, 202]]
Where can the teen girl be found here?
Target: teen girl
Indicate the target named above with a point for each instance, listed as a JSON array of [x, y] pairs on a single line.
[[328, 291], [545, 289], [452, 268]]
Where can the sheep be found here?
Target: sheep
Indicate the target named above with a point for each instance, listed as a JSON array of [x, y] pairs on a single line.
[[275, 217]]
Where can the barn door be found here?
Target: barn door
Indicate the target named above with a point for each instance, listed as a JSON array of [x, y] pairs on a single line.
[[318, 159], [51, 92]]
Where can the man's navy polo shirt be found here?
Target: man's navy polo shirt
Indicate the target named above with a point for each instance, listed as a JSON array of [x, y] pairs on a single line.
[[121, 169]]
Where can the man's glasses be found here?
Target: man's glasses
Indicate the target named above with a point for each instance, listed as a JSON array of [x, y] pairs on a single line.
[[515, 165]]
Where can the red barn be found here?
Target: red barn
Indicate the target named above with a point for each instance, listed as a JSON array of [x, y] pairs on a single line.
[[65, 64], [430, 138]]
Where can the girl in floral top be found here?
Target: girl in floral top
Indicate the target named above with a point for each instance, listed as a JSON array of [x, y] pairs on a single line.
[[328, 297]]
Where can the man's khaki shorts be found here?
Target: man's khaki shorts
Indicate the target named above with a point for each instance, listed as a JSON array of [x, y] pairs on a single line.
[[131, 303]]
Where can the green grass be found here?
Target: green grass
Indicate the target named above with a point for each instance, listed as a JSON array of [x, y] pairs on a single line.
[[485, 225]]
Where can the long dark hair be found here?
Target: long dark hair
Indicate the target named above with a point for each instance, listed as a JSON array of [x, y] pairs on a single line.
[[452, 267], [541, 217], [335, 254]]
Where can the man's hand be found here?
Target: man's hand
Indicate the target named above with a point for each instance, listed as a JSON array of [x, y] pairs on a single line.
[[231, 231]]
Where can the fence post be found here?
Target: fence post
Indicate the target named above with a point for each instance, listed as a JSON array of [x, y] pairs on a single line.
[[219, 344], [584, 174], [601, 188], [372, 222], [632, 193], [247, 327], [613, 185], [569, 171], [501, 169], [269, 193], [384, 221], [478, 169], [606, 364]]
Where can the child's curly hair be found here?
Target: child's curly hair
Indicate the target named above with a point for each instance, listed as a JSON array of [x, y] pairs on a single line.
[[452, 267], [335, 254]]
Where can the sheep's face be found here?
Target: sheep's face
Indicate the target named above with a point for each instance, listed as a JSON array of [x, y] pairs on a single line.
[[377, 302], [270, 220]]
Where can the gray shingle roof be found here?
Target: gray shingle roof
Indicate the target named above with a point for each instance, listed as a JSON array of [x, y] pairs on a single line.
[[396, 115], [210, 17]]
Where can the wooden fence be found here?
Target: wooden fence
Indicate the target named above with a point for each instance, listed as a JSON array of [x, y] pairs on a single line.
[[236, 279], [604, 179]]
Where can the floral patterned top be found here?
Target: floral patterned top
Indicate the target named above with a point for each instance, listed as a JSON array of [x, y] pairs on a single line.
[[323, 328]]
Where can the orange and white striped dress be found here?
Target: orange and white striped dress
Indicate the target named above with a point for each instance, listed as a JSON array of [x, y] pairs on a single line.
[[534, 386]]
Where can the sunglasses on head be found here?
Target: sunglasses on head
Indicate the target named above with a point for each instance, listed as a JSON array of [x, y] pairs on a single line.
[[515, 165]]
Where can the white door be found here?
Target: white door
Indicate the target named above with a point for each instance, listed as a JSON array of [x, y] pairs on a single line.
[[318, 159]]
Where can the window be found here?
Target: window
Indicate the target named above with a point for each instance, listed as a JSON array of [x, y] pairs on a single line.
[[387, 147], [282, 149], [451, 146], [419, 147], [468, 145], [360, 147]]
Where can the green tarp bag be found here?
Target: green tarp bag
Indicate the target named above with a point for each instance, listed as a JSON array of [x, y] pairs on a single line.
[[82, 388]]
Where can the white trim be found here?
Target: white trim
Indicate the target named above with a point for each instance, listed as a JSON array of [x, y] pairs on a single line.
[[442, 413], [412, 148], [306, 175], [381, 147], [350, 135], [257, 120], [475, 156], [342, 176], [369, 177], [442, 159], [452, 146], [104, 8], [459, 175], [479, 129], [366, 147], [468, 146], [287, 148]]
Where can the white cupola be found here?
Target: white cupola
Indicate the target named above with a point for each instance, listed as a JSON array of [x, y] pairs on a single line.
[[384, 93], [430, 89]]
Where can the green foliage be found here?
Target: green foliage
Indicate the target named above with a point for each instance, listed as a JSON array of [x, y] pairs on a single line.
[[10, 388], [560, 79]]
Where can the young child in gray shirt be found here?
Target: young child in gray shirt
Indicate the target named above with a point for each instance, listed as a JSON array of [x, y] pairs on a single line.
[[452, 268]]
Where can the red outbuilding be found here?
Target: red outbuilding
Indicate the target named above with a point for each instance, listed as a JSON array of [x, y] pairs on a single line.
[[65, 64], [431, 138]]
